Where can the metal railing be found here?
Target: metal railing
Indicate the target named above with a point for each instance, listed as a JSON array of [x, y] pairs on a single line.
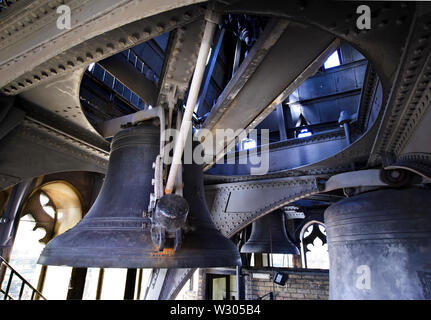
[[6, 292]]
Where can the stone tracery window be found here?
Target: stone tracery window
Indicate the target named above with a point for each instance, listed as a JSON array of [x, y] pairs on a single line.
[[314, 247], [50, 210]]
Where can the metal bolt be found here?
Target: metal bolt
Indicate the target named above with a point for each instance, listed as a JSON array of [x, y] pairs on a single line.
[[4, 220], [395, 174]]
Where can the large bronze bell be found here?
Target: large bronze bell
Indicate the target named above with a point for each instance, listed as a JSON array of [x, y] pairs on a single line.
[[112, 234], [116, 234], [203, 246], [268, 235]]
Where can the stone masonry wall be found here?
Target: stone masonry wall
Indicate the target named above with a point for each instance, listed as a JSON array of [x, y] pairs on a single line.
[[302, 285]]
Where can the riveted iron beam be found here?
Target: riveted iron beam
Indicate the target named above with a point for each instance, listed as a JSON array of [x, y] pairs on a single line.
[[131, 77], [34, 48], [165, 284], [180, 63], [382, 45], [405, 125], [250, 97], [235, 205], [112, 32], [34, 149], [59, 101], [285, 155]]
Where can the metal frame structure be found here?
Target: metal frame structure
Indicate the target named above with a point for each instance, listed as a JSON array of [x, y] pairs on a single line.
[[6, 296], [44, 130]]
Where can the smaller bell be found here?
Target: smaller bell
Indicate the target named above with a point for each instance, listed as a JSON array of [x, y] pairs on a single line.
[[269, 235]]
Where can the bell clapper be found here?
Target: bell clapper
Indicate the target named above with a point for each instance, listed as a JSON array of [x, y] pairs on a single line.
[[158, 237], [168, 221]]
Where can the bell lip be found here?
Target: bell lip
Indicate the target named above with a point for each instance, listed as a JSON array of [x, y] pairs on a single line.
[[89, 261], [56, 252], [276, 248]]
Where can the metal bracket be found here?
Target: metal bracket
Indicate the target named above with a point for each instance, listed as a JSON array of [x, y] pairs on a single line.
[[416, 163], [354, 179], [157, 182], [369, 178], [111, 127], [293, 213], [235, 205]]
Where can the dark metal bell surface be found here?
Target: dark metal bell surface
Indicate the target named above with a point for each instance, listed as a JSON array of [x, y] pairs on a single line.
[[268, 235], [379, 245], [111, 233], [204, 246], [114, 233]]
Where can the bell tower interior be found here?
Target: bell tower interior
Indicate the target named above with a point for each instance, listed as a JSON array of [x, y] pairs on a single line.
[[217, 150]]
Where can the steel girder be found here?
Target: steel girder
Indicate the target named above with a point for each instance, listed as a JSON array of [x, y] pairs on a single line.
[[35, 149], [132, 78], [34, 49], [53, 99], [235, 205], [59, 101], [180, 62], [301, 152], [405, 125], [381, 45], [310, 14], [165, 284], [398, 48], [287, 54]]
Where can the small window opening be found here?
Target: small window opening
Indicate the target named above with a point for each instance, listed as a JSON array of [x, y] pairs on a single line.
[[332, 61]]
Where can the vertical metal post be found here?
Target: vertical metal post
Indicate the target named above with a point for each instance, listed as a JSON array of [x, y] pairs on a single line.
[[212, 21], [100, 283], [21, 290], [77, 284], [281, 122], [129, 290], [10, 219], [208, 73], [6, 294], [41, 281], [347, 132], [139, 288], [344, 120], [258, 259], [236, 57], [8, 222], [240, 283]]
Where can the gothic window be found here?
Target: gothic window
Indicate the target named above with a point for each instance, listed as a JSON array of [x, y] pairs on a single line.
[[314, 247], [49, 211]]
